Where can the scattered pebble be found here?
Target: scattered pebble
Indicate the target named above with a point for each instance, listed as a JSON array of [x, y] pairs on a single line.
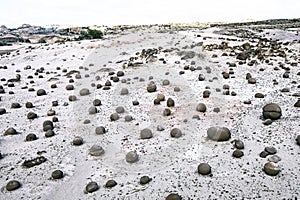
[[176, 133], [271, 169], [13, 185], [92, 187], [146, 133], [132, 157], [57, 174], [204, 169], [218, 134]]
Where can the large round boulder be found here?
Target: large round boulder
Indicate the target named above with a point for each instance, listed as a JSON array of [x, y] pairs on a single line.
[[218, 134], [272, 111]]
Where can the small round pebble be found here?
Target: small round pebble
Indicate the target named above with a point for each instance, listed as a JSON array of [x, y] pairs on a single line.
[[57, 174], [49, 133], [170, 102], [29, 105], [132, 157], [146, 133], [97, 102], [237, 153], [77, 141], [10, 131], [145, 179], [110, 183], [204, 169], [271, 169], [201, 107], [274, 159], [124, 91], [31, 137], [100, 130], [96, 150], [114, 117], [176, 133], [120, 109], [84, 92], [92, 187], [173, 197], [218, 134], [41, 92], [239, 144], [31, 115]]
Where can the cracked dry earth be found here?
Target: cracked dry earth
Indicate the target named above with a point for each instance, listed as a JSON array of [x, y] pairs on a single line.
[[173, 61]]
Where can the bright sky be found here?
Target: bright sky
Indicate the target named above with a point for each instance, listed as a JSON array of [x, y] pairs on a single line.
[[13, 13]]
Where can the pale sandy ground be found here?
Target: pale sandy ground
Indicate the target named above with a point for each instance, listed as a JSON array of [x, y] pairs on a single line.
[[172, 163]]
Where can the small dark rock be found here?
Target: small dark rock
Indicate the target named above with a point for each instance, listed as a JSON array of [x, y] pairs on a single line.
[[170, 102], [100, 130], [57, 174], [12, 185], [34, 162], [204, 169], [10, 131], [173, 197], [31, 137], [77, 141], [218, 134], [271, 150], [84, 92], [201, 107], [97, 102], [237, 153], [151, 87], [146, 133], [49, 133], [41, 92], [110, 183], [272, 111], [271, 169], [145, 179], [114, 117], [31, 115], [176, 133], [239, 144], [132, 157], [92, 187]]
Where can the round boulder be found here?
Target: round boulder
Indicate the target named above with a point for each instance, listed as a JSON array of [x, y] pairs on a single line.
[[201, 107], [132, 157], [204, 169], [218, 134], [272, 111], [146, 133], [176, 133], [92, 187], [84, 92], [271, 169]]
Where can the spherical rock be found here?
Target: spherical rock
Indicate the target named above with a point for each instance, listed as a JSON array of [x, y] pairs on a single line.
[[49, 133], [160, 97], [146, 133], [170, 102], [124, 91], [92, 187], [272, 111], [41, 92], [237, 153], [72, 98], [92, 110], [176, 133], [151, 87], [84, 92], [96, 150], [31, 137], [251, 80], [239, 144], [100, 130], [51, 112], [271, 169], [166, 82], [29, 105], [10, 131], [120, 109], [110, 183], [173, 197], [218, 134], [204, 169], [263, 154], [97, 102], [69, 87], [156, 101], [201, 107], [206, 94], [128, 118], [12, 185], [166, 112], [57, 174], [48, 125], [132, 157], [145, 179], [77, 141], [176, 89], [114, 117]]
